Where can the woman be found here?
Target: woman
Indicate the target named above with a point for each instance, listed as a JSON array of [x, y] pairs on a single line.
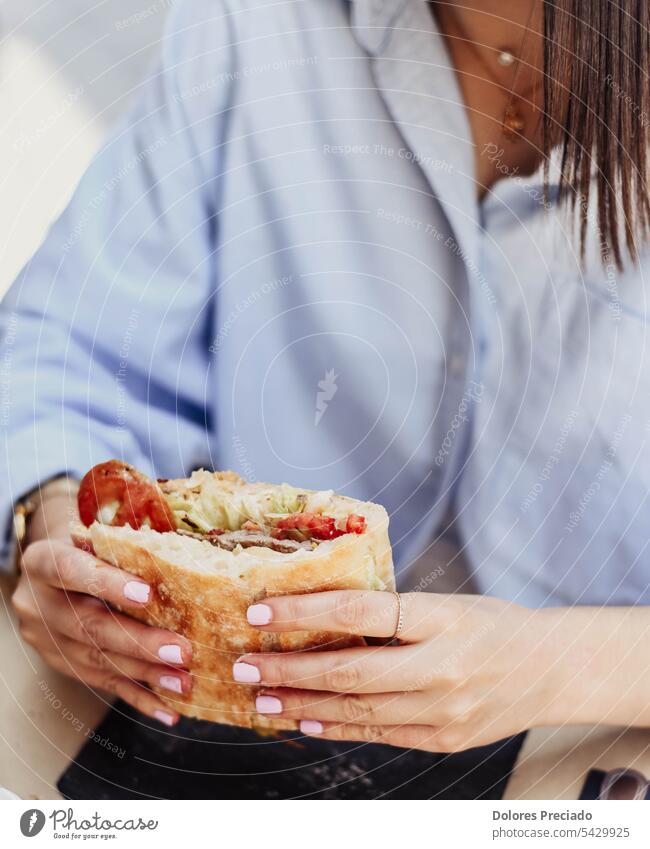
[[394, 248]]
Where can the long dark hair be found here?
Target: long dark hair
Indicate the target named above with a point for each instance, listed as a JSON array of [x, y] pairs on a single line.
[[597, 110]]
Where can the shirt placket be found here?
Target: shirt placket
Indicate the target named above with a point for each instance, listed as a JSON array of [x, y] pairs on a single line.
[[415, 77]]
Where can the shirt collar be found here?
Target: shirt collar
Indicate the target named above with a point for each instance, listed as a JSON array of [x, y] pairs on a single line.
[[415, 75], [372, 22]]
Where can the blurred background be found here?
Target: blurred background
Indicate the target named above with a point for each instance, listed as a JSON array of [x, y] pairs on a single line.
[[68, 70]]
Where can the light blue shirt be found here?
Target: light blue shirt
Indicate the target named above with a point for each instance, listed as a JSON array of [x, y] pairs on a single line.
[[278, 264]]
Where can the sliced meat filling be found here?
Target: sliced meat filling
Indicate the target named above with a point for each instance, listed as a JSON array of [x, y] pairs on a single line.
[[231, 539]]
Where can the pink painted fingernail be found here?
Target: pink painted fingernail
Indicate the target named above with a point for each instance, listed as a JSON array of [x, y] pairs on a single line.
[[246, 673], [164, 717], [171, 682], [259, 614], [268, 704], [170, 654], [311, 726], [137, 591]]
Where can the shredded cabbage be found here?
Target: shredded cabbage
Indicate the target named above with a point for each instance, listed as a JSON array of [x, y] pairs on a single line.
[[216, 507]]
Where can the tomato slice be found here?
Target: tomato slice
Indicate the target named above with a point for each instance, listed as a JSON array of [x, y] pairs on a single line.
[[313, 525], [355, 524], [138, 497], [318, 526]]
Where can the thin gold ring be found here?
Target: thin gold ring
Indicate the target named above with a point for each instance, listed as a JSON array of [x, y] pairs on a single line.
[[400, 616]]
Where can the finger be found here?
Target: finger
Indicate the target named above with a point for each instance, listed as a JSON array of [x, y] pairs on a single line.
[[167, 678], [366, 709], [86, 620], [130, 692], [423, 737], [383, 669], [61, 565], [363, 612]]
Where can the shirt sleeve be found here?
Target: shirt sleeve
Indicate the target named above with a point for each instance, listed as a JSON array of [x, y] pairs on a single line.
[[106, 333]]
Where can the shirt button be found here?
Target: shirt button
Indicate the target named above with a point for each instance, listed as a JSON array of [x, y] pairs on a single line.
[[456, 365]]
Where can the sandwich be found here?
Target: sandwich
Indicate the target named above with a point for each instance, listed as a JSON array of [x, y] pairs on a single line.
[[211, 545]]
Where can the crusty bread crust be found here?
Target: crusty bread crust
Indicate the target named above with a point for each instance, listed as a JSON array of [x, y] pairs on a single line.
[[202, 592]]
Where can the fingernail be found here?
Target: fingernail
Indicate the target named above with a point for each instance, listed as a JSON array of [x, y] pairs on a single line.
[[164, 717], [170, 654], [137, 591], [268, 704], [245, 673], [171, 682], [259, 614], [311, 726]]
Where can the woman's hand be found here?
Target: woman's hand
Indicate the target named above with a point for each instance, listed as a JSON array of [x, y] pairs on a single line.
[[469, 669], [61, 605]]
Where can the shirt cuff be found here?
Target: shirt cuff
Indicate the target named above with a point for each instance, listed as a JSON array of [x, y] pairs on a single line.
[[12, 536], [27, 472]]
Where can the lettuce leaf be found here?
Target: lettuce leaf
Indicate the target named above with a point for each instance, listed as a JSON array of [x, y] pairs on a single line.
[[214, 507]]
